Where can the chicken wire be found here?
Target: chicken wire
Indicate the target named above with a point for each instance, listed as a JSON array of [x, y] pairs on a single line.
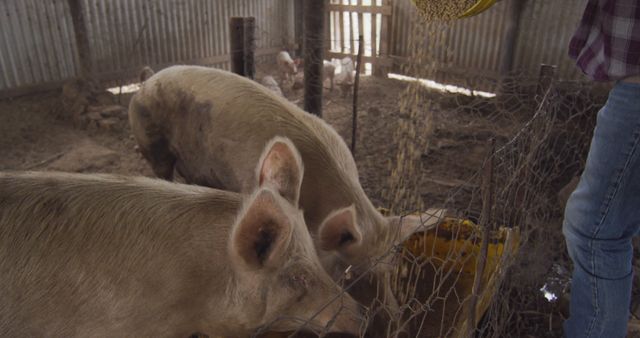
[[533, 135]]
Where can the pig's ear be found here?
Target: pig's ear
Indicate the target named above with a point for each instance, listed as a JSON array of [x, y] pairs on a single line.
[[280, 168], [410, 224], [262, 232], [339, 231]]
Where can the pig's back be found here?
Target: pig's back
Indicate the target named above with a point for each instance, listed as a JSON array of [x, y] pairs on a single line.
[[242, 116], [89, 248]]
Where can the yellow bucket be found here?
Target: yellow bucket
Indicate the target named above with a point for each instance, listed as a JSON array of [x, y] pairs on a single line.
[[479, 7], [448, 253], [451, 247]]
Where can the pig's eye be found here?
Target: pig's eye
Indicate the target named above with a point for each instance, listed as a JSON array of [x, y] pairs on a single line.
[[300, 281], [300, 286]]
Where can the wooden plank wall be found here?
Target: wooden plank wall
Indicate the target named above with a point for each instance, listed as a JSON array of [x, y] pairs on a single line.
[[347, 19]]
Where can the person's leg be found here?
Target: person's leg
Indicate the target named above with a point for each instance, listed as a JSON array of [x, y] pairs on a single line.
[[601, 217]]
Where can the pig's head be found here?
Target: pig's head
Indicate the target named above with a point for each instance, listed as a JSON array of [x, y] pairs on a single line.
[[361, 249], [277, 270]]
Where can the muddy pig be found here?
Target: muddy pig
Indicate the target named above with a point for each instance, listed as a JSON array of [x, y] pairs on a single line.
[[109, 256], [211, 126]]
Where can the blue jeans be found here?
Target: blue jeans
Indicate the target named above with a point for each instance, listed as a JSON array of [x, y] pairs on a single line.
[[602, 216]]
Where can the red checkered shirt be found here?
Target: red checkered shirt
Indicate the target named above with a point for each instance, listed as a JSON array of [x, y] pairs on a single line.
[[606, 45]]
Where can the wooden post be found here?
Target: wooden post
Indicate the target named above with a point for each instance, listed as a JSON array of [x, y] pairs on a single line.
[[546, 76], [383, 49], [314, 12], [82, 39], [236, 44], [249, 47], [242, 45], [327, 29], [486, 220], [511, 36], [298, 10], [356, 84]]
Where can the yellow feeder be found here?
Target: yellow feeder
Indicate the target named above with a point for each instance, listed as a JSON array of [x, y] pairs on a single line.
[[479, 7], [446, 257]]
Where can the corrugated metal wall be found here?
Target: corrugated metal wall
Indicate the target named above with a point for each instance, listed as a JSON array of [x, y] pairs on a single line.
[[474, 45], [37, 44], [547, 28]]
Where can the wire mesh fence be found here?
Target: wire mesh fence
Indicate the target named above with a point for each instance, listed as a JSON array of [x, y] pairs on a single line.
[[493, 227], [500, 161]]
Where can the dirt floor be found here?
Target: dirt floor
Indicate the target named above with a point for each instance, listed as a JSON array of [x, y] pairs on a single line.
[[37, 133]]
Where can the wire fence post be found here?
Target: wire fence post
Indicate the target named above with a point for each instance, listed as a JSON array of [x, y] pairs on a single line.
[[356, 84], [485, 224]]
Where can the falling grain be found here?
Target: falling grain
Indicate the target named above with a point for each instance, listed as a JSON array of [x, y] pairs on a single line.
[[432, 10]]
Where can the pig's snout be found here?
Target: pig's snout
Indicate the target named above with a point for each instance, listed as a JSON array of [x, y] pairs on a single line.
[[349, 318], [352, 323]]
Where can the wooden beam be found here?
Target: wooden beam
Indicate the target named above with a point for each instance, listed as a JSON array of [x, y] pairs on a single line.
[[374, 34], [352, 33], [383, 48], [242, 45], [384, 10], [298, 9], [343, 42], [360, 33], [82, 39], [327, 28], [508, 48], [249, 46]]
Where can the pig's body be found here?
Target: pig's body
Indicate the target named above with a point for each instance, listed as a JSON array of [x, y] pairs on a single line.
[[126, 264], [269, 82], [211, 124], [108, 256]]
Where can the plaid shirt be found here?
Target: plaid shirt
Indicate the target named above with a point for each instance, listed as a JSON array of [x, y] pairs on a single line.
[[606, 45]]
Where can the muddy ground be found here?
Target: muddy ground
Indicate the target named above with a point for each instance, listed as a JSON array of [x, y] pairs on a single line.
[[37, 133]]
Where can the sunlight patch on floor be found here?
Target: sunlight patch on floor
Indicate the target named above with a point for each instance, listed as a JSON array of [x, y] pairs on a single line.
[[443, 87]]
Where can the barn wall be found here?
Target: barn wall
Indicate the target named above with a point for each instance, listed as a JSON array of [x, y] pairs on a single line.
[[35, 43], [38, 49], [473, 45]]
